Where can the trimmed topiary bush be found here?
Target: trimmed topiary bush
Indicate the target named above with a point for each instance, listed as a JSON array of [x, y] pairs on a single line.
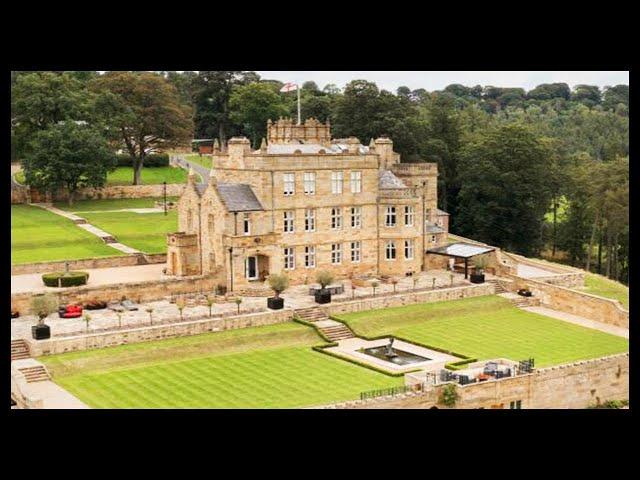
[[60, 279]]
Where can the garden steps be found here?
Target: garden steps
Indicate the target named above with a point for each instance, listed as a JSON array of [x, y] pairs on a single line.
[[311, 314], [337, 333], [19, 350], [35, 374]]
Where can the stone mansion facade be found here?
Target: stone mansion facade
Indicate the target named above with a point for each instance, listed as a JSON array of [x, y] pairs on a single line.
[[304, 202]]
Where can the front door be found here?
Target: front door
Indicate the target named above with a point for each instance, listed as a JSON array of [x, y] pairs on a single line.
[[252, 268]]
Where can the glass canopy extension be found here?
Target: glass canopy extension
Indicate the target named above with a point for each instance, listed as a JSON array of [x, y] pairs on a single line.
[[461, 250]]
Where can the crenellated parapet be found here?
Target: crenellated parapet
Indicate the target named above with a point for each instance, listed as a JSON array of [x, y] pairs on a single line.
[[285, 130]]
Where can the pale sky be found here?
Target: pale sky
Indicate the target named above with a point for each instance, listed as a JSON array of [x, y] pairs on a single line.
[[437, 80]]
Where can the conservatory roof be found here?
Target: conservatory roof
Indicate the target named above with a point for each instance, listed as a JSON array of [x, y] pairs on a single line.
[[461, 250]]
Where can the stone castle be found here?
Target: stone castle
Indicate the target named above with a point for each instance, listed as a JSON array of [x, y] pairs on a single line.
[[305, 202]]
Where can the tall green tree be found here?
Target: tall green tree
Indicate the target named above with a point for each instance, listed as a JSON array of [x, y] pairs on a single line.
[[504, 192], [253, 105], [70, 156], [143, 112]]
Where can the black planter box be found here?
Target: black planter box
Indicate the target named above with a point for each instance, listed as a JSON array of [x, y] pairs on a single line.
[[275, 303], [476, 278], [40, 332], [524, 293], [323, 296]]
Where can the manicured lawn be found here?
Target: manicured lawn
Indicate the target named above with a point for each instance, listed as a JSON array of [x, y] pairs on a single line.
[[260, 367], [488, 327], [146, 232], [110, 204], [41, 236], [150, 175], [204, 160], [599, 285]]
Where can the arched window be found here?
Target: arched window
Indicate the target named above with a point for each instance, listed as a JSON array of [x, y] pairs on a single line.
[[210, 222], [189, 220]]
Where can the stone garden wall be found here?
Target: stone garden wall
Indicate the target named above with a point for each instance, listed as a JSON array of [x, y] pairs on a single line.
[[574, 385], [149, 333], [583, 304], [123, 191], [89, 263], [138, 291], [409, 298]]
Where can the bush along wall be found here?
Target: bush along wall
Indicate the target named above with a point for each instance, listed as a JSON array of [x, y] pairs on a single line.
[[62, 279], [153, 160]]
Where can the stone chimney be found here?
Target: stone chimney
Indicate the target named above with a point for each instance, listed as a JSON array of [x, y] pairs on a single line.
[[384, 148], [237, 148]]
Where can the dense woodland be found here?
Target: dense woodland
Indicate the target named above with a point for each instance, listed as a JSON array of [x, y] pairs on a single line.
[[543, 172]]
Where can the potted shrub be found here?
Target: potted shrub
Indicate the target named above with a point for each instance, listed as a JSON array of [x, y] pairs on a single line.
[[42, 306], [480, 264], [324, 279], [278, 283]]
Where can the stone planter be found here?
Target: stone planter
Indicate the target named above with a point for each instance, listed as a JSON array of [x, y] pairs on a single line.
[[476, 278], [275, 303], [41, 332], [323, 296]]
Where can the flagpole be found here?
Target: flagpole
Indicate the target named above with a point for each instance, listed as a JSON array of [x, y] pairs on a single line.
[[298, 89]]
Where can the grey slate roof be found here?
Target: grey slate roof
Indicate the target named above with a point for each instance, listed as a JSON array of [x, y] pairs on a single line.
[[387, 180], [238, 197], [441, 212]]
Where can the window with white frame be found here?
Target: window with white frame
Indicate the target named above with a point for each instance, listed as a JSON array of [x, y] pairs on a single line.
[[408, 215], [336, 253], [390, 217], [289, 183], [309, 220], [356, 217], [356, 182], [288, 221], [408, 249], [309, 183], [391, 250], [246, 224], [336, 182], [289, 258], [355, 252], [310, 256], [336, 218]]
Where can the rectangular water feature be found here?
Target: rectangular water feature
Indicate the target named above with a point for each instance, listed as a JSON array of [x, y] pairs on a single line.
[[399, 357]]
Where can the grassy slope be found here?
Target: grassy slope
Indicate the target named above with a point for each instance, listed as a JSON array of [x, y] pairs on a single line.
[[150, 175], [204, 160], [488, 327], [145, 232], [599, 285], [39, 236], [260, 367]]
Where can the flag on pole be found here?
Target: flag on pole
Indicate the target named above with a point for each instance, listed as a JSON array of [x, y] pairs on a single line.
[[289, 87]]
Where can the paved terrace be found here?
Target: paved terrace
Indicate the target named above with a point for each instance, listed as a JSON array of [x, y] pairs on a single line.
[[166, 312]]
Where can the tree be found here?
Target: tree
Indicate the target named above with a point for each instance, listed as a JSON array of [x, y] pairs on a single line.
[[253, 105], [68, 155], [42, 99], [278, 282], [504, 190], [614, 96], [212, 93], [144, 112], [588, 95], [549, 91]]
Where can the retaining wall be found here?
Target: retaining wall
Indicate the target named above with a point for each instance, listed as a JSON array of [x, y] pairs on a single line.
[[574, 385], [159, 332], [89, 263]]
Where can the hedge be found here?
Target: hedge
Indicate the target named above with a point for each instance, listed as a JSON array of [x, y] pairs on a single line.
[[72, 279], [153, 160]]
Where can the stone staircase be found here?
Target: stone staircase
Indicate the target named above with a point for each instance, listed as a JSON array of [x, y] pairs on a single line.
[[520, 301], [498, 284], [35, 374], [19, 350], [334, 331], [311, 314]]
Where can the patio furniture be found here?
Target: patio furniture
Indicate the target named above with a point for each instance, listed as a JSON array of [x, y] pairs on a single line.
[[490, 368], [483, 377], [129, 305], [332, 289], [70, 311], [115, 306]]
